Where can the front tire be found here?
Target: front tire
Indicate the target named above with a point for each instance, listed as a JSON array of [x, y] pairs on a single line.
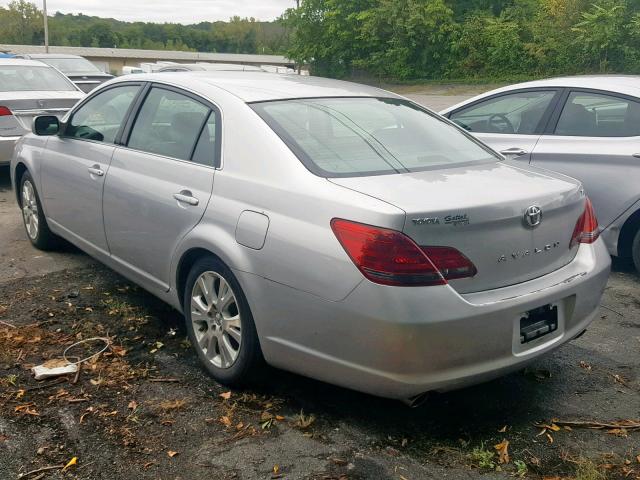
[[220, 324], [33, 217]]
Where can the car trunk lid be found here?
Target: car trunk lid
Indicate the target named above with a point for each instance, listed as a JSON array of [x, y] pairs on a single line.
[[480, 210], [24, 106]]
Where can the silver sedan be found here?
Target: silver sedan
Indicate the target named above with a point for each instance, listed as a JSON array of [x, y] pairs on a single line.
[[327, 228], [586, 127]]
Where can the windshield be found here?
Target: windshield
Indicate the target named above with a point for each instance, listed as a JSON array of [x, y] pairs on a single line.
[[21, 78], [71, 65], [337, 137]]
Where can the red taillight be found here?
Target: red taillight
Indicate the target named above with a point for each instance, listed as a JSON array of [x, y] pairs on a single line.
[[390, 257], [586, 230], [4, 111]]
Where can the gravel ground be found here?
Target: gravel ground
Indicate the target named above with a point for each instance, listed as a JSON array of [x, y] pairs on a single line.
[[145, 409]]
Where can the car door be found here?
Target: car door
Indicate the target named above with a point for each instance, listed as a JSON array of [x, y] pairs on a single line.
[[160, 183], [510, 122], [77, 162], [594, 136]]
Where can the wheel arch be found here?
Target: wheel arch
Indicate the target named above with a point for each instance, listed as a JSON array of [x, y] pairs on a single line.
[[20, 170], [627, 233]]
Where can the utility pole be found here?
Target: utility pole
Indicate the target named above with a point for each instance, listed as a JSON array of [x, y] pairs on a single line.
[[46, 26]]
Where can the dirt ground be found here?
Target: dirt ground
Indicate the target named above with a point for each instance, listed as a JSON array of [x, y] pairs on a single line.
[[145, 409]]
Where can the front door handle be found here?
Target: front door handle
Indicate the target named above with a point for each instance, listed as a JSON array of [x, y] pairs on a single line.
[[185, 196], [637, 155], [518, 152], [96, 170]]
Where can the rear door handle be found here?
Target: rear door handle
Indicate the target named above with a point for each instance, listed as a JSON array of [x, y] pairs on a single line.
[[518, 152], [187, 197], [96, 170]]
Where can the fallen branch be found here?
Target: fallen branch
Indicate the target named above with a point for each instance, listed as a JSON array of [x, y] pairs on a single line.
[[43, 469], [7, 324], [629, 425], [165, 380]]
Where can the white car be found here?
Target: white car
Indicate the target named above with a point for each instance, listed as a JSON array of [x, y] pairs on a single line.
[[27, 89]]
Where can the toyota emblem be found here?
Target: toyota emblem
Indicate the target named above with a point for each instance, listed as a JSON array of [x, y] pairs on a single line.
[[533, 216]]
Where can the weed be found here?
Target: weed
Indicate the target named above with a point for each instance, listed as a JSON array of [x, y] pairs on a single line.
[[587, 470], [483, 458], [521, 468]]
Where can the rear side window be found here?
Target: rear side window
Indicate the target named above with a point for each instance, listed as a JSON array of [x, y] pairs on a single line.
[[168, 124], [514, 113], [366, 136], [100, 118], [205, 152], [599, 115]]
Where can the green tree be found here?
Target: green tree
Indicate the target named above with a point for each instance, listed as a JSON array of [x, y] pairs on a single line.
[[602, 31]]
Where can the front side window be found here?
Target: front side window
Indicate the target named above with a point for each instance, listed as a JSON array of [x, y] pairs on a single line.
[[598, 115], [168, 124], [366, 136], [21, 78], [101, 117], [514, 113]]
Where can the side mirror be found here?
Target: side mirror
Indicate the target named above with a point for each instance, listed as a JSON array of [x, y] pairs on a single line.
[[46, 125]]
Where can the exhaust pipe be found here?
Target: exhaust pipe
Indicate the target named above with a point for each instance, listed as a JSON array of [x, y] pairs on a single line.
[[417, 401]]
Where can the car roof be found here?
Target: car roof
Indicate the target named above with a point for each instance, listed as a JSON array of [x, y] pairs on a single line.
[[623, 84], [22, 62], [262, 86]]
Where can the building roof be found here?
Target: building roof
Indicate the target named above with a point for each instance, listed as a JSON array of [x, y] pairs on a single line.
[[150, 54], [263, 86]]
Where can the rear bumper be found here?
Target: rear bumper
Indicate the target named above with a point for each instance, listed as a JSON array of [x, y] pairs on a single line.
[[7, 145], [401, 342]]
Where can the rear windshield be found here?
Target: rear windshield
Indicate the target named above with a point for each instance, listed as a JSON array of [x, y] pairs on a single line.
[[72, 65], [22, 78], [337, 137]]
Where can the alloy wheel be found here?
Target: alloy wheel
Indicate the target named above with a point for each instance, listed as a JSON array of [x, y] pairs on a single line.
[[216, 319], [30, 209]]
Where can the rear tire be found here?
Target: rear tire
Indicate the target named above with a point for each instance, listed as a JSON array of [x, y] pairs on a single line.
[[33, 218], [635, 251], [220, 324]]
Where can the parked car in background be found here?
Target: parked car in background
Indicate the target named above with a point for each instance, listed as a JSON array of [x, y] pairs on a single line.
[[209, 67], [78, 69], [350, 235], [587, 127], [27, 89]]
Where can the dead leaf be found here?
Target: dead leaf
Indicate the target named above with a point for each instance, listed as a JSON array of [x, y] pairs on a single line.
[[503, 451], [638, 458], [132, 405], [225, 395], [27, 409], [171, 453], [550, 438], [503, 429], [70, 464], [585, 365], [280, 418], [226, 421]]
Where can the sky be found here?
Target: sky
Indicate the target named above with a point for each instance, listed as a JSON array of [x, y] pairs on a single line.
[[175, 11]]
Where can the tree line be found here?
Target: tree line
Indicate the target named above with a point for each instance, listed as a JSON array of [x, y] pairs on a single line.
[[463, 39], [386, 39], [21, 22]]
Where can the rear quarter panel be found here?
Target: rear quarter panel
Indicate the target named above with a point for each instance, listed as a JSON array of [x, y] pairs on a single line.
[[261, 174]]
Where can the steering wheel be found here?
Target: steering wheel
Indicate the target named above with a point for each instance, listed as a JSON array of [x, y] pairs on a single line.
[[501, 123]]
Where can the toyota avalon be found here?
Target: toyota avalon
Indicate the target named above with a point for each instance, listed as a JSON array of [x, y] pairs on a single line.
[[328, 228]]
